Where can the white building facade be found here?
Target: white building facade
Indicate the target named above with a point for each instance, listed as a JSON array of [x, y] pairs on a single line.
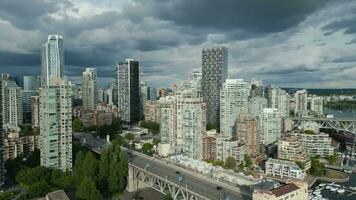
[[270, 125], [233, 101], [90, 89], [56, 125], [52, 59]]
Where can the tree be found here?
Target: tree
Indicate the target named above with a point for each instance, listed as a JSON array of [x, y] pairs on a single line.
[[33, 159], [210, 126], [77, 125], [317, 168], [147, 149], [129, 136], [309, 132], [87, 190], [13, 166], [230, 163], [301, 164], [78, 171], [90, 166], [56, 177], [168, 197], [38, 189], [248, 161], [29, 176], [332, 159], [26, 130], [150, 125], [123, 170]]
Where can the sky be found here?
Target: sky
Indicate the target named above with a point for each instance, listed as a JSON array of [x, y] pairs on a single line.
[[294, 43]]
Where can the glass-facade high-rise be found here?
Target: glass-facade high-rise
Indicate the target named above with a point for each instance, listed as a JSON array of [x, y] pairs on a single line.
[[52, 59], [129, 90], [214, 74], [56, 125], [90, 89]]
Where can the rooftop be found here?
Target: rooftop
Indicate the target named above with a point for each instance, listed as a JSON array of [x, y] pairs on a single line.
[[285, 189]]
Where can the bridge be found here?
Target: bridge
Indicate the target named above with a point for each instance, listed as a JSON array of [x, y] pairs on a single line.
[[167, 178], [347, 125]]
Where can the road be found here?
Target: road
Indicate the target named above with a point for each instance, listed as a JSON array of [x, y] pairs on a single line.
[[198, 183]]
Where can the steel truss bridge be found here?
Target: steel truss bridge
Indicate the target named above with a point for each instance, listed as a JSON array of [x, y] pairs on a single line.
[[347, 125], [160, 184]]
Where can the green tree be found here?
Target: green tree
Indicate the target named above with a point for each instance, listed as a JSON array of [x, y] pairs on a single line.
[[317, 168], [87, 190], [210, 126], [151, 126], [332, 159], [123, 170], [168, 197], [77, 125], [129, 136], [248, 161], [78, 164], [90, 166], [309, 132], [33, 159], [230, 163], [38, 189], [56, 177], [29, 176], [13, 166], [147, 149], [26, 130], [301, 164], [114, 178]]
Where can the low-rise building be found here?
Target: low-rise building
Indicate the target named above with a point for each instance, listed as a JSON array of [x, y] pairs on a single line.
[[283, 169], [97, 118], [316, 144], [290, 148], [227, 147], [15, 145], [209, 147], [290, 191]]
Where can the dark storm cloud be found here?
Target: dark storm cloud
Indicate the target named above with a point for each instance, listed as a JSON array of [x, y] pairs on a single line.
[[26, 13], [290, 70], [348, 25], [13, 59], [254, 16]]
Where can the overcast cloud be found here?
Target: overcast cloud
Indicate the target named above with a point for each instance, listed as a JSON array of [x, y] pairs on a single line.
[[294, 43]]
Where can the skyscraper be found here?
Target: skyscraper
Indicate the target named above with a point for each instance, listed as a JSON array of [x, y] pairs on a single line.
[[52, 59], [301, 103], [214, 74], [129, 90], [31, 83], [12, 110], [233, 101], [143, 96], [90, 90], [2, 171], [56, 125], [257, 89], [35, 111], [191, 126], [247, 133], [270, 125], [279, 99]]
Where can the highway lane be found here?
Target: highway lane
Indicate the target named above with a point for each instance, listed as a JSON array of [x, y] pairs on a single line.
[[198, 185]]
